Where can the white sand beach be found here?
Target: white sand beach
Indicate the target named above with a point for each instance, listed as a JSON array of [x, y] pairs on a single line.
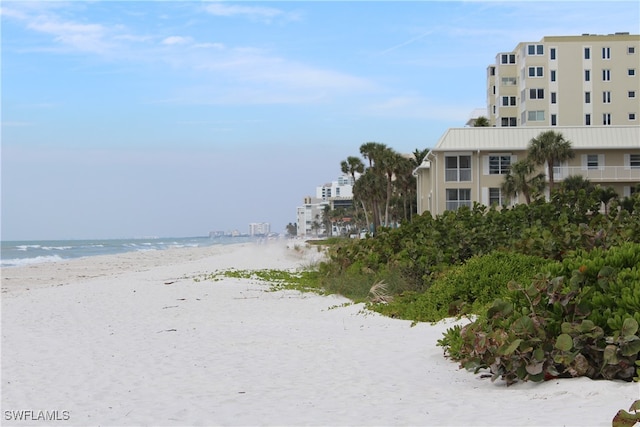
[[132, 339]]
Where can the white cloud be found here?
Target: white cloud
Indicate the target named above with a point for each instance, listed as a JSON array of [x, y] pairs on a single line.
[[220, 9], [173, 40], [218, 46]]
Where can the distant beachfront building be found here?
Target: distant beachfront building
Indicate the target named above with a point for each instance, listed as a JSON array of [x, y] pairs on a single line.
[[587, 80], [259, 228], [309, 217], [335, 194], [338, 194]]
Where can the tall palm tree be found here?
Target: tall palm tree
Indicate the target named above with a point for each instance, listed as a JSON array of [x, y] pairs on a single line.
[[372, 150], [550, 147], [351, 166], [387, 163], [519, 180]]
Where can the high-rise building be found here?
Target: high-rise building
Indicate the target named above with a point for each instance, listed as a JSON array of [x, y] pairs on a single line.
[[259, 228], [587, 80]]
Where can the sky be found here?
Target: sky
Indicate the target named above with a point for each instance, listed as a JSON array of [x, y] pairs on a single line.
[[125, 119]]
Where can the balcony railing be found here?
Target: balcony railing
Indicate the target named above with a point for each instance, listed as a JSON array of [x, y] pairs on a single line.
[[603, 174]]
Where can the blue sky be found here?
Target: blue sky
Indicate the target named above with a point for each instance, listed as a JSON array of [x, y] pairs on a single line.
[[125, 119]]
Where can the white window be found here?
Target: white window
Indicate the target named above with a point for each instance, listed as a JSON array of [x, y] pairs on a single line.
[[457, 168], [631, 94], [587, 119], [508, 122], [632, 117], [554, 120], [631, 50], [631, 71], [606, 53], [606, 119], [534, 49], [536, 71], [587, 97], [592, 161], [587, 53], [587, 75], [553, 75], [554, 97], [495, 197], [457, 197], [606, 97], [535, 116], [552, 53], [606, 75], [507, 58], [536, 93], [508, 101], [496, 164], [632, 160]]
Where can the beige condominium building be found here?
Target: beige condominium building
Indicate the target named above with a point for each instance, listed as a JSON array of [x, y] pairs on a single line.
[[469, 164], [587, 80]]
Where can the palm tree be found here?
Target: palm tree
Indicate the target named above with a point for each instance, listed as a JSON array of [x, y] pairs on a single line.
[[550, 147], [519, 180], [371, 151], [369, 189], [481, 122], [606, 195], [387, 163], [351, 166], [418, 156], [577, 183]]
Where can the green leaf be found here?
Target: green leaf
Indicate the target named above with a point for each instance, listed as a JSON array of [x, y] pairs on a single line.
[[538, 354], [567, 328], [629, 327], [624, 419], [610, 355], [631, 348], [524, 325], [564, 342], [511, 348], [586, 325]]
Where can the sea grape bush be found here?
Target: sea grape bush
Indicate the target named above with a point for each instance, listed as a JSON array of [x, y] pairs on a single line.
[[467, 288], [416, 253], [580, 318]]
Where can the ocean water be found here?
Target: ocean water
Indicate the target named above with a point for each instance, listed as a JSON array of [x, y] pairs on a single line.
[[19, 253]]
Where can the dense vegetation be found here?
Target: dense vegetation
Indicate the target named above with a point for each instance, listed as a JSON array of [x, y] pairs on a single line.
[[554, 286]]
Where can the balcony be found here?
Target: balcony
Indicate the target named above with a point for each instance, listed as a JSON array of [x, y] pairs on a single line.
[[602, 174]]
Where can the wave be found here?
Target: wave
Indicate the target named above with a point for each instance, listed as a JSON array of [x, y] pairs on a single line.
[[18, 262]]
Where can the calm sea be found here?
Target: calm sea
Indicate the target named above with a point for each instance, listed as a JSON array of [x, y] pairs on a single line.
[[16, 253]]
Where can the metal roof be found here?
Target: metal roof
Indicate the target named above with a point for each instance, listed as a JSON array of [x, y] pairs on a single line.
[[517, 138]]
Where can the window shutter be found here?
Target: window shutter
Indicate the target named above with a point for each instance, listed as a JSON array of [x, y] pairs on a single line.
[[485, 196], [627, 162], [601, 162], [584, 162], [485, 165], [626, 191]]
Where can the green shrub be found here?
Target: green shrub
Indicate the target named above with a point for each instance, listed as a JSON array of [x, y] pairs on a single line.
[[467, 288], [554, 326]]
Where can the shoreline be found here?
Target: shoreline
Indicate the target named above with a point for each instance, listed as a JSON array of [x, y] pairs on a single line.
[[145, 344], [67, 271]]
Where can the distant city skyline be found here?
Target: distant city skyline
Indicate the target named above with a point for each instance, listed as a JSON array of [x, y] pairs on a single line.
[[124, 119]]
